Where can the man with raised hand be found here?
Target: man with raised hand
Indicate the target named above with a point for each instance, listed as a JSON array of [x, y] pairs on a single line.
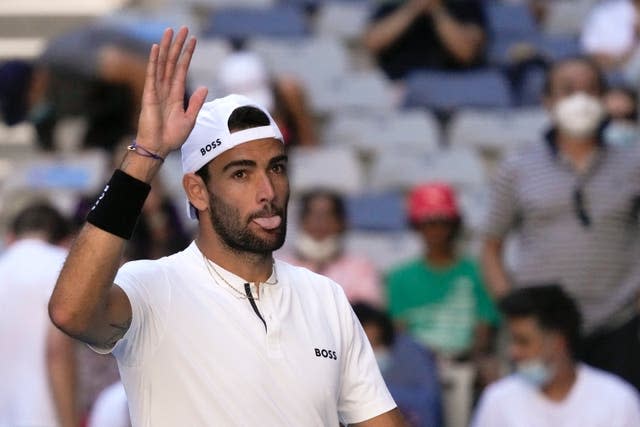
[[220, 333]]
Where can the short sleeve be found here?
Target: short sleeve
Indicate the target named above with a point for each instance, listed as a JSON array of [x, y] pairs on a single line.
[[149, 294], [503, 202], [363, 392]]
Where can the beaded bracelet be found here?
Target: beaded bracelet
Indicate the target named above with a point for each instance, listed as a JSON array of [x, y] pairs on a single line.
[[143, 151]]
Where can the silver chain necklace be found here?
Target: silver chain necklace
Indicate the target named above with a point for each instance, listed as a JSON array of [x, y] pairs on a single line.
[[212, 269]]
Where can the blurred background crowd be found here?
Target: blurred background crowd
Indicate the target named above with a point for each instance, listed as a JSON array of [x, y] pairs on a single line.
[[458, 166]]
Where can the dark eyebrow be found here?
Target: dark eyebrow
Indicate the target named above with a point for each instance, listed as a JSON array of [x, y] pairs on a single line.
[[279, 159], [235, 163]]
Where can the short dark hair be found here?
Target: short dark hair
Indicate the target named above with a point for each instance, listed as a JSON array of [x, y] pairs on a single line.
[[339, 208], [551, 307], [366, 313], [548, 80], [41, 217], [241, 118]]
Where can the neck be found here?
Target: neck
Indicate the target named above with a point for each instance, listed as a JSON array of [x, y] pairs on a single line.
[[558, 389], [577, 150], [441, 257], [252, 267]]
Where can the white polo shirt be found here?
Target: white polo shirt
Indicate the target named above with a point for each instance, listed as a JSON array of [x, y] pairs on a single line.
[[197, 354]]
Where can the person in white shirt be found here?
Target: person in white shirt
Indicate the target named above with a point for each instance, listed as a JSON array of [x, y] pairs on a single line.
[[610, 32], [550, 388], [38, 361], [220, 333]]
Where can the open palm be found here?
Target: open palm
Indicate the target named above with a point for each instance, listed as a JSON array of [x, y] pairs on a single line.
[[164, 124]]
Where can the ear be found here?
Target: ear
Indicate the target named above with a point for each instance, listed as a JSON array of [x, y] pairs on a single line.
[[196, 191]]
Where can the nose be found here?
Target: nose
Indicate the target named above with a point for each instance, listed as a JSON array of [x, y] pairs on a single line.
[[265, 191]]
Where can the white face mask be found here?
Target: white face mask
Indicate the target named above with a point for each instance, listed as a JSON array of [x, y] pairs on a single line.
[[535, 372], [317, 250], [579, 115], [621, 133]]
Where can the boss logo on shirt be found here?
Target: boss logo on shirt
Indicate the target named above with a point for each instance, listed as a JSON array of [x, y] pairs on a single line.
[[327, 354], [209, 147]]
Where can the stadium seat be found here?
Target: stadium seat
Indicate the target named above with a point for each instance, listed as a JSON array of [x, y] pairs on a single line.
[[204, 64], [500, 130], [345, 20], [336, 168], [385, 249], [449, 91], [376, 211], [509, 19], [417, 131], [566, 17], [278, 21], [399, 171], [356, 91]]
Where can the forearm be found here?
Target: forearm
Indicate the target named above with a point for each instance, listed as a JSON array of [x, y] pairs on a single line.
[[83, 293], [493, 269], [464, 41], [61, 365], [383, 33]]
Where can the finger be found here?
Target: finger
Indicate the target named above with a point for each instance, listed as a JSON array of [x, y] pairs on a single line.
[[165, 42], [174, 53], [196, 101], [149, 91], [179, 80]]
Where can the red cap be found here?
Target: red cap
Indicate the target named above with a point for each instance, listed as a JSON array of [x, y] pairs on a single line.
[[432, 201]]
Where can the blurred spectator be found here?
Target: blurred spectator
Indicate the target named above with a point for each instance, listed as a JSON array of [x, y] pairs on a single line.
[[93, 72], [319, 246], [549, 387], [610, 32], [111, 408], [408, 369], [414, 34], [244, 73], [573, 202], [440, 296], [621, 104], [38, 362]]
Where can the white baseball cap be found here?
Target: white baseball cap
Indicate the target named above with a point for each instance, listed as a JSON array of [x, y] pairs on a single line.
[[211, 136]]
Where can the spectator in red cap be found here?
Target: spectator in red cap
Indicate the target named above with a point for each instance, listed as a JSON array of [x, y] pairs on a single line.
[[440, 297]]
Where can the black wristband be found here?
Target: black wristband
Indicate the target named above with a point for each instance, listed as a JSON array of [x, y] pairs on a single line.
[[118, 207]]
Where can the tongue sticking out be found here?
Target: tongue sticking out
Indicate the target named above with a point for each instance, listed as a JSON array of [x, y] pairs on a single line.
[[268, 223]]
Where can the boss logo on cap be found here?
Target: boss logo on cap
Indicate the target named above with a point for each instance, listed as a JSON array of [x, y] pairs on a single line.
[[210, 147]]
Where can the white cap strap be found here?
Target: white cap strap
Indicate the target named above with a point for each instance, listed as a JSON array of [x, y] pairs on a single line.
[[252, 134]]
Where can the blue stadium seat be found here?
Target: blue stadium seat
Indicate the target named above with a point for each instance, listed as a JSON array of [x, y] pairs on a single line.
[[376, 211], [447, 91], [278, 21], [505, 19]]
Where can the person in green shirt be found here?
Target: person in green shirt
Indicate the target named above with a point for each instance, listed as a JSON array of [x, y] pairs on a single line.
[[440, 298]]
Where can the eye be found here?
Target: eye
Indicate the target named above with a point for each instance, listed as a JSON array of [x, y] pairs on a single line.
[[279, 168], [239, 174]]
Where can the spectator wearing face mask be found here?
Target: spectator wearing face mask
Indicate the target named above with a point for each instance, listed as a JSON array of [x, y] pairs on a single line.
[[621, 104], [571, 201], [319, 246], [549, 387]]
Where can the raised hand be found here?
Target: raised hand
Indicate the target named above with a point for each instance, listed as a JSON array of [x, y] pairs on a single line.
[[164, 124]]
